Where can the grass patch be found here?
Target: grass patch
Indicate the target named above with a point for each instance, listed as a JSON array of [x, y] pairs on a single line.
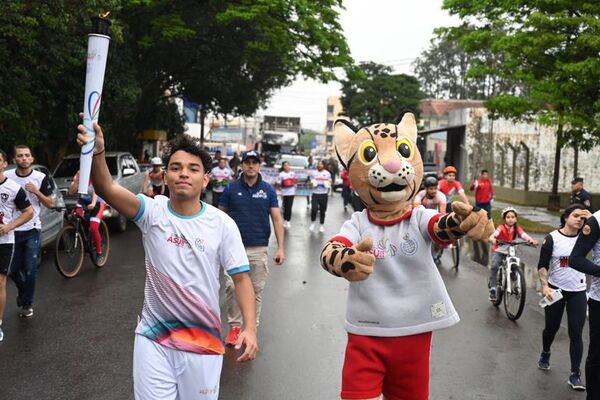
[[528, 226]]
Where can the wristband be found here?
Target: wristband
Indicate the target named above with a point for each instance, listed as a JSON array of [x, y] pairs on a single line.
[[97, 154]]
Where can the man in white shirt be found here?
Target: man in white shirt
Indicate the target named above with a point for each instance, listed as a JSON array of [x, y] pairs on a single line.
[[178, 349], [12, 198], [27, 237]]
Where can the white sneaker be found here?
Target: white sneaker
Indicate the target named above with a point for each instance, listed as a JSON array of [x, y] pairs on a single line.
[[322, 228], [285, 224], [312, 227], [289, 224], [1, 335]]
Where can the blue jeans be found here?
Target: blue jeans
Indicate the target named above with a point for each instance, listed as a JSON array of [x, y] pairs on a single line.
[[485, 206], [23, 269]]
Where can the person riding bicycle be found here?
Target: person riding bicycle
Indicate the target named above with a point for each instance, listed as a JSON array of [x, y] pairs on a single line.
[[90, 207], [508, 231], [431, 197], [154, 179], [450, 187]]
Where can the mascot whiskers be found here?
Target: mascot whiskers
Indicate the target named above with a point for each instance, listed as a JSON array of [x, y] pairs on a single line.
[[396, 296]]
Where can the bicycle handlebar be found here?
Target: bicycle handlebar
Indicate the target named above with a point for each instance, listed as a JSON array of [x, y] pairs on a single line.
[[514, 243]]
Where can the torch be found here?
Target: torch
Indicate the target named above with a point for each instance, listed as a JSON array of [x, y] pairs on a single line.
[[97, 53]]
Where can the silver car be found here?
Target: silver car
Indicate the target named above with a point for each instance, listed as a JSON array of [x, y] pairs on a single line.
[[52, 219]]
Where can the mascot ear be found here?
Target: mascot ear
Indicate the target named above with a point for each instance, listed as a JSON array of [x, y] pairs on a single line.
[[344, 133], [408, 126]]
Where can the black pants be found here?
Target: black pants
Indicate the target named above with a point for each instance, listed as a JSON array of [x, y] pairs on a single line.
[[216, 196], [346, 194], [319, 202], [288, 202], [575, 304], [592, 364]]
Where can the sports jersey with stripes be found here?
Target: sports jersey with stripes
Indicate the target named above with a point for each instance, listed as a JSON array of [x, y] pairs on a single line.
[[12, 200], [41, 181], [183, 257], [554, 256]]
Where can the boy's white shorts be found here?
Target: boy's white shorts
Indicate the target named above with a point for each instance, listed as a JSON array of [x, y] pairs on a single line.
[[162, 373]]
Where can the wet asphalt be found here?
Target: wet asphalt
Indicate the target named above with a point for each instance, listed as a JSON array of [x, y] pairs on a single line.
[[79, 343]]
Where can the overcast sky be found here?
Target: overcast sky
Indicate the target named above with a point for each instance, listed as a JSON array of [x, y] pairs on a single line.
[[390, 32]]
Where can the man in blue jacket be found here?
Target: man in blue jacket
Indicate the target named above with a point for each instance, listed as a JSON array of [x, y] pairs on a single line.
[[250, 201]]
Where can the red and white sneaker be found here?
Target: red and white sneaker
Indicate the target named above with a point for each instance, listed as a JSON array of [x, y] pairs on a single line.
[[233, 335]]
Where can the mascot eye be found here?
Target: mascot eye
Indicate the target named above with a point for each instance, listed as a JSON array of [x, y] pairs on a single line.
[[405, 148], [367, 152]]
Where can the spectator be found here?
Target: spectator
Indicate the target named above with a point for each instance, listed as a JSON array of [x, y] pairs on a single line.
[[216, 159], [250, 201], [234, 164], [334, 169], [25, 261], [146, 155], [484, 191], [579, 195]]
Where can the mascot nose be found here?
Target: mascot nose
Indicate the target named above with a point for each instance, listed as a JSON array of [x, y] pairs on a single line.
[[392, 166]]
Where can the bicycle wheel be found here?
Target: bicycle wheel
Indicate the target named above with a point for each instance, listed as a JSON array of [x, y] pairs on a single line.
[[68, 251], [105, 239], [455, 255], [437, 255], [499, 287], [514, 301]]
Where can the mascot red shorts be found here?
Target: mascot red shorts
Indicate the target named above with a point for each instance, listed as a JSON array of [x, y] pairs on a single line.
[[397, 367]]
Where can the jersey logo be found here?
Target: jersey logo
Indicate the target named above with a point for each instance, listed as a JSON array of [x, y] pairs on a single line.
[[409, 246], [4, 197], [384, 249], [563, 261], [261, 194], [200, 244], [178, 240]]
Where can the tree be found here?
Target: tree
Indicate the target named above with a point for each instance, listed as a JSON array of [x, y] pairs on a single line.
[[548, 47], [229, 56], [444, 71], [371, 93]]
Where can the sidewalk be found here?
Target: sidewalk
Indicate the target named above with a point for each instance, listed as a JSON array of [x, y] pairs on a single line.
[[535, 214]]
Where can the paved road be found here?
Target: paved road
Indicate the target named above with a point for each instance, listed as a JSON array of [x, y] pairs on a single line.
[[79, 343]]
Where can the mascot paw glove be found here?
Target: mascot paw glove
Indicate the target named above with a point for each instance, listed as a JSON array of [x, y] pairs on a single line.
[[353, 263], [474, 222]]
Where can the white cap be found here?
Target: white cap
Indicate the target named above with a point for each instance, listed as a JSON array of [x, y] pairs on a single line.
[[156, 161]]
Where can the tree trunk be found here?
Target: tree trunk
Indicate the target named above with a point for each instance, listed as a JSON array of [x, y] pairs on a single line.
[[202, 116], [554, 198]]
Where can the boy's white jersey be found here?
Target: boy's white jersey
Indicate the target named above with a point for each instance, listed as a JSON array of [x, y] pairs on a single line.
[[184, 255]]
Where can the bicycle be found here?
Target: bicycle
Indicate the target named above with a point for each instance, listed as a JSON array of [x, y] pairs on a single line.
[[455, 254], [510, 282], [74, 240]]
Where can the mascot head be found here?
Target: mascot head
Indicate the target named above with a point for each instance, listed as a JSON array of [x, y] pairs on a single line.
[[383, 163]]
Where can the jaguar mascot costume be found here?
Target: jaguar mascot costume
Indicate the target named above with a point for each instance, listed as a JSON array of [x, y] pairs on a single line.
[[396, 296]]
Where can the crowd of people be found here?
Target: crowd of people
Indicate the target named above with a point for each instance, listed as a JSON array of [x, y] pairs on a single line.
[[250, 205]]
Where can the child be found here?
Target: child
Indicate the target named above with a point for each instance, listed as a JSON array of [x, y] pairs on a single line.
[[507, 232]]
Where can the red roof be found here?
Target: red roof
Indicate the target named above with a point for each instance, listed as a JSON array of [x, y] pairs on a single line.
[[431, 107]]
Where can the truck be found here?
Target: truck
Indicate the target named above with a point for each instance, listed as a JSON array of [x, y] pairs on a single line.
[[279, 135]]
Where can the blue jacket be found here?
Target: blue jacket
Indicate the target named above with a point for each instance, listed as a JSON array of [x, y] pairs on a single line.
[[250, 208]]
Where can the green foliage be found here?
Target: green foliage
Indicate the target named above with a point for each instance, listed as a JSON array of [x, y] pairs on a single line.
[[549, 49], [371, 93], [229, 56], [446, 71]]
